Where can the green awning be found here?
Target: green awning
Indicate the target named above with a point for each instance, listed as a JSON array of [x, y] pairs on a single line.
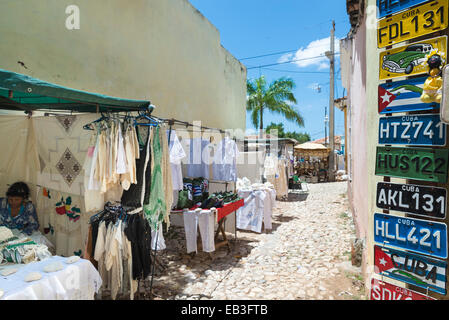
[[22, 92]]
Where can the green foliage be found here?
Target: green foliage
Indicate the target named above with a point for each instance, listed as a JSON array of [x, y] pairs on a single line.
[[277, 98], [279, 127]]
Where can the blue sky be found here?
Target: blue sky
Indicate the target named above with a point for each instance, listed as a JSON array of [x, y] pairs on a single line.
[[250, 28]]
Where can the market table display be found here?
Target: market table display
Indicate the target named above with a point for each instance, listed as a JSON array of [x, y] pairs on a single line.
[[55, 278], [205, 219], [259, 201]]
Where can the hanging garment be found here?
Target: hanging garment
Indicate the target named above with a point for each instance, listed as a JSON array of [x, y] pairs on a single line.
[[132, 198], [177, 153], [64, 220], [62, 148], [128, 282], [100, 252], [167, 176], [224, 166], [138, 233], [121, 164], [250, 216], [113, 259], [155, 209], [130, 177], [205, 219], [19, 161], [159, 237], [199, 159]]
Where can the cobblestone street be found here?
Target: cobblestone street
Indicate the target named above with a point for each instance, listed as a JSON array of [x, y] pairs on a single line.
[[307, 256]]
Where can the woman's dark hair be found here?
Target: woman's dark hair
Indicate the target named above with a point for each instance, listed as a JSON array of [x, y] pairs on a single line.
[[18, 189]]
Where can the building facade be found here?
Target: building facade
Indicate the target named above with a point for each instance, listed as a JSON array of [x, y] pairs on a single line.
[[166, 52]]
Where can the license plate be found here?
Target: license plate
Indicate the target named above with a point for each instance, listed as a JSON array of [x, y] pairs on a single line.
[[415, 199], [420, 236], [386, 7], [411, 268], [403, 96], [412, 23], [422, 130], [412, 163], [381, 290], [408, 60]]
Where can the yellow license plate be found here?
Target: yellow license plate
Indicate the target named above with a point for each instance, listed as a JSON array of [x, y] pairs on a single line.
[[412, 23], [408, 60]]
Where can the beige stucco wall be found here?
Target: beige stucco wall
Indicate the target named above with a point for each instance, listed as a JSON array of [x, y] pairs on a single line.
[[372, 71], [162, 51]]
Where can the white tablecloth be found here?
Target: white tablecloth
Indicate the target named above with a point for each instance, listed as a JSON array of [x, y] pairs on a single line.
[[77, 281], [258, 208]]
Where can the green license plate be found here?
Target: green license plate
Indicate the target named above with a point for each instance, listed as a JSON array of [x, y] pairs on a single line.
[[413, 163]]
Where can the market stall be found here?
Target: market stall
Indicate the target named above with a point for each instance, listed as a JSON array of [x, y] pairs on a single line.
[[104, 179], [49, 152], [197, 204], [312, 162], [259, 201]]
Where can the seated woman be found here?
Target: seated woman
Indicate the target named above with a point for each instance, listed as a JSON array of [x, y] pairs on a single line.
[[16, 211]]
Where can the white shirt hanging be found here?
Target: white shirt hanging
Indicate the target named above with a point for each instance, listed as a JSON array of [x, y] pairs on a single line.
[[225, 160]]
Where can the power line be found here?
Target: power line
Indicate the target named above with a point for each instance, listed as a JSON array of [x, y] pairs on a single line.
[[291, 61], [282, 52], [294, 71]]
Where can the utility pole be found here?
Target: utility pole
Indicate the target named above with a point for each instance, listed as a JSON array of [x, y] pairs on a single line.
[[326, 120], [331, 56]]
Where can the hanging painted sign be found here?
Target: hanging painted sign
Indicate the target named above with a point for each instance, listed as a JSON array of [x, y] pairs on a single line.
[[412, 163], [381, 290], [416, 235], [412, 23], [386, 7], [403, 96], [422, 130], [408, 60], [415, 199], [411, 268]]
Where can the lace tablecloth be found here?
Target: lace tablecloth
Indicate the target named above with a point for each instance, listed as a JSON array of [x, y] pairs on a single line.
[[76, 281]]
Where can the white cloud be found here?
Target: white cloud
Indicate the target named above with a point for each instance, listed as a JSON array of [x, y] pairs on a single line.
[[312, 55], [285, 57]]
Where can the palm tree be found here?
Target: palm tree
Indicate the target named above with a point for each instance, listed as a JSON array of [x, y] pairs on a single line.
[[277, 97]]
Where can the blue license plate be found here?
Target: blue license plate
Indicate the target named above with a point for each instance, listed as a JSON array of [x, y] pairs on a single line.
[[386, 7], [422, 130], [416, 235]]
